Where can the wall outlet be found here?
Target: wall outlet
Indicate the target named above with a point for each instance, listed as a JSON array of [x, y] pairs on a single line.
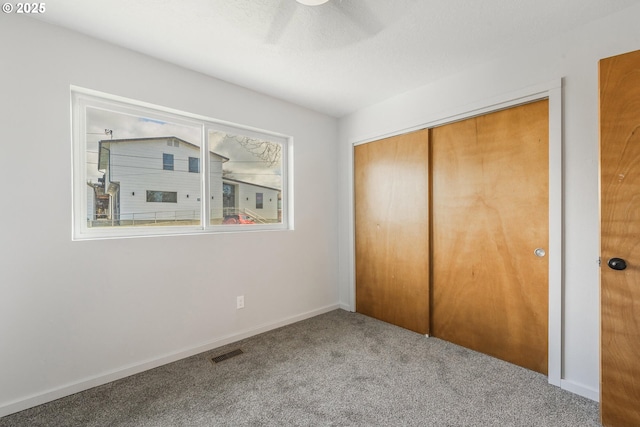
[[240, 302]]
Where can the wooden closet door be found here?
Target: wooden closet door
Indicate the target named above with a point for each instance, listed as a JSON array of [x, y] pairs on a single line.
[[391, 230], [490, 186], [620, 238]]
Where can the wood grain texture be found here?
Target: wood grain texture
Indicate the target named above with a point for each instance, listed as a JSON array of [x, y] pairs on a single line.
[[391, 230], [489, 213], [620, 237]]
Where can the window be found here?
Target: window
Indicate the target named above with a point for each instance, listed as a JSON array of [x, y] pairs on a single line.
[[167, 161], [120, 189], [162, 196], [194, 165]]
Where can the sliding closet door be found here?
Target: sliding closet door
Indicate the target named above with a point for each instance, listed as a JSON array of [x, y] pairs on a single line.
[[490, 234], [391, 230], [620, 231]]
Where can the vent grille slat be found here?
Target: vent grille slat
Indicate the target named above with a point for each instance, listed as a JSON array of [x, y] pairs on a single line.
[[226, 356]]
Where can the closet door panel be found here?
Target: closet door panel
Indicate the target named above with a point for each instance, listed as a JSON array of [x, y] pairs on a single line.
[[489, 215], [392, 230]]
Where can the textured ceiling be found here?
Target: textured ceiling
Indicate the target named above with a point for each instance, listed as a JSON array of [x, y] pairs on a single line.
[[335, 58]]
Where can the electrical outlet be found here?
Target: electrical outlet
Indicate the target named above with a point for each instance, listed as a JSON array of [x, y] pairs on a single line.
[[240, 302]]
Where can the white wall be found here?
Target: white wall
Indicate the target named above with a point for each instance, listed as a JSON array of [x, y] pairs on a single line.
[[67, 319], [573, 57]]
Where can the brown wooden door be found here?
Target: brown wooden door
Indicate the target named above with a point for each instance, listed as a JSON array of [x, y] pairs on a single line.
[[392, 230], [620, 238], [489, 214]]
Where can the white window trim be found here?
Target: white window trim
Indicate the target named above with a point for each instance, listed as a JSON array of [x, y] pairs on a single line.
[[81, 98]]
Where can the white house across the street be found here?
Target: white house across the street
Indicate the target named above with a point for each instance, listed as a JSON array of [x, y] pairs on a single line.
[[259, 202], [157, 180]]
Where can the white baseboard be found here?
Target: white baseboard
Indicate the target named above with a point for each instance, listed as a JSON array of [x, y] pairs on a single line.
[[580, 389], [104, 378], [345, 307]]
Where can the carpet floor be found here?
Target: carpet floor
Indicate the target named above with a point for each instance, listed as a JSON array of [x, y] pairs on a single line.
[[336, 369]]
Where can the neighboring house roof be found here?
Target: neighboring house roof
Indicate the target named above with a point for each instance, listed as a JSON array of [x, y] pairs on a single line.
[[250, 183], [102, 161]]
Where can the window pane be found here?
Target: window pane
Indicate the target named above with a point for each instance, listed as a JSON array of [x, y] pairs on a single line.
[[194, 165], [139, 170], [246, 176], [167, 161], [162, 196]]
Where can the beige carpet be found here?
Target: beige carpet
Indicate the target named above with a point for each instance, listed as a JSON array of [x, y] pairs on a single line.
[[337, 369]]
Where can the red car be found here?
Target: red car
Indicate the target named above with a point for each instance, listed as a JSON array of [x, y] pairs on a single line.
[[237, 219]]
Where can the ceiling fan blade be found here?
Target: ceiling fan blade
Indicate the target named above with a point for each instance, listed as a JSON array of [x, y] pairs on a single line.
[[281, 20], [360, 14]]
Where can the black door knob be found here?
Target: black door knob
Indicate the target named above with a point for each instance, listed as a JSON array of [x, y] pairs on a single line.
[[617, 264]]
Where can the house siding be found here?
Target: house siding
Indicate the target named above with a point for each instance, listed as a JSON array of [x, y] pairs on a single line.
[[215, 183], [137, 167], [247, 195]]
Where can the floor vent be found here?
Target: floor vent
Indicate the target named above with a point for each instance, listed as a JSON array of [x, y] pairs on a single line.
[[226, 356]]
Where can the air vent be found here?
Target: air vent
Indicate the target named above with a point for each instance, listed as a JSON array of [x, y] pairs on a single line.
[[226, 356]]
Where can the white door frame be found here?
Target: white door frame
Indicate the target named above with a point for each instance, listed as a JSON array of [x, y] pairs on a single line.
[[553, 92]]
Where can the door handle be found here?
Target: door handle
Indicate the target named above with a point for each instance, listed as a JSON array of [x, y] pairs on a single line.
[[617, 264], [539, 252]]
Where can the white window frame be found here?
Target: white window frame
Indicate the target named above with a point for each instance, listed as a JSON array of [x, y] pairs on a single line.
[[82, 98]]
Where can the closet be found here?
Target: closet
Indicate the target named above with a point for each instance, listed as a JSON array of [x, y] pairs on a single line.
[[451, 232]]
